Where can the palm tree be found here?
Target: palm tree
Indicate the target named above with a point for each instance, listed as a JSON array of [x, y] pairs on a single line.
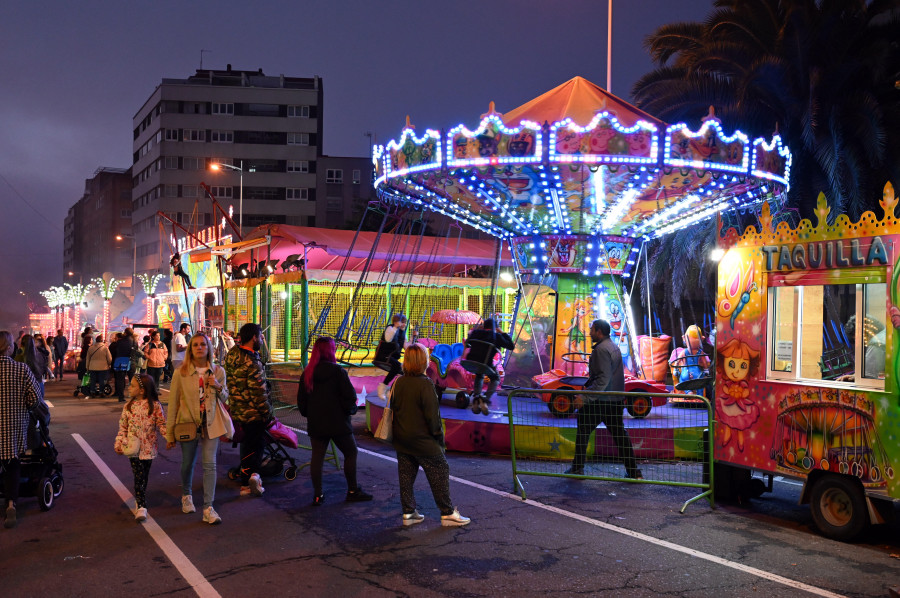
[[822, 71]]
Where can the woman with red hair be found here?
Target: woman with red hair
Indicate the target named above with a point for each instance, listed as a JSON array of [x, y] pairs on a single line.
[[326, 399]]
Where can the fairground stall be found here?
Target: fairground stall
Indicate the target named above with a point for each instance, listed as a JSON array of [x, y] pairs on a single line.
[[808, 362], [307, 282]]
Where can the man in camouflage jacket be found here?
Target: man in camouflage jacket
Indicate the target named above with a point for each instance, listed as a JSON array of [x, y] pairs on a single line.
[[250, 403]]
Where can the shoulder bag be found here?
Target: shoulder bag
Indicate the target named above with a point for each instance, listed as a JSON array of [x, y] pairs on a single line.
[[186, 431], [385, 429]]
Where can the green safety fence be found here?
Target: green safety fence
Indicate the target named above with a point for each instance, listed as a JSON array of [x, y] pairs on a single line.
[[670, 443]]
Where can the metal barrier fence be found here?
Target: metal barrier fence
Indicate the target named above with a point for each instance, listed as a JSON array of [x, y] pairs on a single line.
[[283, 392], [670, 444]]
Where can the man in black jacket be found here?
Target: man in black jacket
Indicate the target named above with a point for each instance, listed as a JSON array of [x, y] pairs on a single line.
[[484, 352], [605, 373], [60, 346]]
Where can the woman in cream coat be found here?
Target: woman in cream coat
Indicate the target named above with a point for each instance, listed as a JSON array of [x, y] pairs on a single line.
[[198, 381]]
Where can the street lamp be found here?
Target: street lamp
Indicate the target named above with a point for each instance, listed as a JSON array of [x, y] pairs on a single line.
[[133, 256], [239, 168]]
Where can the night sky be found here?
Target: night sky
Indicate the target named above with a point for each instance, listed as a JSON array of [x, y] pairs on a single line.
[[75, 73]]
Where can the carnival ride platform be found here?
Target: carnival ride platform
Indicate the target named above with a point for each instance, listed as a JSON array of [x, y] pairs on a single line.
[[667, 432]]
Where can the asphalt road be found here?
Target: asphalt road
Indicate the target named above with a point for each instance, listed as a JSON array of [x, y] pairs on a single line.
[[571, 538]]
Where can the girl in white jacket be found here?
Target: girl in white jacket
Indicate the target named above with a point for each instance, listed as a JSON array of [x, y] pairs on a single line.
[[141, 418]]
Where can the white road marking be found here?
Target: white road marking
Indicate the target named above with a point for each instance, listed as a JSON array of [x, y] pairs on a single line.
[[799, 585], [187, 569]]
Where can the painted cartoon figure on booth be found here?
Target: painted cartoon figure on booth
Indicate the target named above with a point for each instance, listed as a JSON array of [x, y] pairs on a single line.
[[575, 333], [735, 411]]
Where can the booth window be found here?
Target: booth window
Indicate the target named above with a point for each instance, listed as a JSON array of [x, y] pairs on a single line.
[[834, 332]]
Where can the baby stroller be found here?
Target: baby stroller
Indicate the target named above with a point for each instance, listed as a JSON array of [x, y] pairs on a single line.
[[277, 436], [40, 472], [84, 384]]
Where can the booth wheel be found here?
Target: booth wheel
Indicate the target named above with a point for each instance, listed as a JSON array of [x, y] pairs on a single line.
[[839, 507], [639, 407], [462, 399], [45, 494], [107, 390], [234, 473], [290, 473]]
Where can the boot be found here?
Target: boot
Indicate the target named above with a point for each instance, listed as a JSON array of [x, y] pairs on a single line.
[[382, 391]]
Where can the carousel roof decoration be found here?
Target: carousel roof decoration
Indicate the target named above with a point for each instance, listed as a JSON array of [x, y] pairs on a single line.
[[579, 163]]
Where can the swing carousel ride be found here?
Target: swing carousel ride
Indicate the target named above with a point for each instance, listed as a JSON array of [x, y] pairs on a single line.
[[575, 182]]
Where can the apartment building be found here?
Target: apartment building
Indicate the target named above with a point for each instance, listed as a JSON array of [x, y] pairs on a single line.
[[97, 230], [265, 131]]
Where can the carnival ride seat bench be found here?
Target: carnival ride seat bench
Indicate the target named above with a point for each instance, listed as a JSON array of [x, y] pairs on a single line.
[[444, 355]]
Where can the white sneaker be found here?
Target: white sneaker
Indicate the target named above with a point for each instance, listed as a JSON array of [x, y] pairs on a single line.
[[413, 518], [382, 391], [256, 487], [210, 516], [454, 519], [140, 514], [187, 504]]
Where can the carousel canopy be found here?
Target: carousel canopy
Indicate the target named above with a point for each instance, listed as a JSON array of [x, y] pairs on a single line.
[[579, 163]]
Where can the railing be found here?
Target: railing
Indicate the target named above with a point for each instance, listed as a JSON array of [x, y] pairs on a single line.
[[671, 444]]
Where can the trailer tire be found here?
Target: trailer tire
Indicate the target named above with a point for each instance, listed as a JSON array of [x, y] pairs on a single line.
[[839, 507]]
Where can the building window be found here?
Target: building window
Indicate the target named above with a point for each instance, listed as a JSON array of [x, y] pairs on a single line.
[[221, 192], [190, 163], [298, 166], [194, 135], [298, 138], [222, 108], [189, 190], [222, 136], [356, 177], [171, 190], [334, 204], [297, 193], [334, 175], [171, 163], [298, 111], [126, 213]]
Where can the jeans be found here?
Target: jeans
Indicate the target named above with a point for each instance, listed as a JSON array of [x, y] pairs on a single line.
[[58, 368], [120, 383], [347, 445], [252, 447], [492, 385], [208, 448], [98, 381], [156, 374], [395, 369]]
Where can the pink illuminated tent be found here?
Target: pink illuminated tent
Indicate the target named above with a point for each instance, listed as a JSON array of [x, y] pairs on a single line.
[[326, 249]]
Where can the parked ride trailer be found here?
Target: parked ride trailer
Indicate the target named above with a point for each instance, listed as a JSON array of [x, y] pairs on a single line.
[[808, 362]]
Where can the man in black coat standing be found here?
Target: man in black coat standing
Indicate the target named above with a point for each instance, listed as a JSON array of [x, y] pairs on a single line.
[[484, 352], [60, 347], [606, 372]]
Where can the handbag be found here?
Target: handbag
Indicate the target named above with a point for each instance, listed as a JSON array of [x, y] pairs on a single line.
[[385, 429], [132, 445], [186, 432], [226, 419]]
